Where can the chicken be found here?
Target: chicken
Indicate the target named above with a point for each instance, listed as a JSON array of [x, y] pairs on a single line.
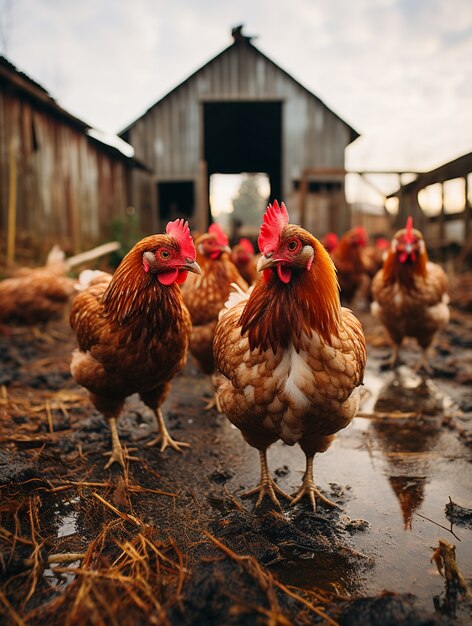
[[243, 256], [36, 295], [410, 294], [330, 242], [206, 295], [133, 329], [289, 358], [347, 257], [374, 255]]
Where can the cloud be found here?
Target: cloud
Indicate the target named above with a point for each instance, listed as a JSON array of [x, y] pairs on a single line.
[[394, 69]]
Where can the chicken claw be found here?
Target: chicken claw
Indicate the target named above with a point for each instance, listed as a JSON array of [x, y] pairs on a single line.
[[117, 455], [164, 438], [267, 486], [423, 363], [309, 489], [213, 403], [166, 441], [394, 359]]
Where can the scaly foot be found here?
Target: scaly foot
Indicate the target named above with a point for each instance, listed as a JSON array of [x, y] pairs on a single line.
[[117, 455], [267, 488], [164, 438], [309, 489], [423, 364], [166, 441], [213, 403]]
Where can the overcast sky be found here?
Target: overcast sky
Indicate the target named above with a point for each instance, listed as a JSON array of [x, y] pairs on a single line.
[[398, 71]]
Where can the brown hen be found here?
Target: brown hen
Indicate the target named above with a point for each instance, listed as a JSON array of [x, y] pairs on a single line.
[[244, 257], [410, 294], [36, 295], [133, 329], [348, 259], [289, 357], [206, 295]]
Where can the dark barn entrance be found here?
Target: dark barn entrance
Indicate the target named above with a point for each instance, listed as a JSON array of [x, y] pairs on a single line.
[[176, 199], [244, 137]]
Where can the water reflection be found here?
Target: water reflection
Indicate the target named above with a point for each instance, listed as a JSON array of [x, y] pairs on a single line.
[[409, 411]]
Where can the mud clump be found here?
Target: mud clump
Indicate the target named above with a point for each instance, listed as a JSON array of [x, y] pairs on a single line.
[[390, 610], [458, 515]]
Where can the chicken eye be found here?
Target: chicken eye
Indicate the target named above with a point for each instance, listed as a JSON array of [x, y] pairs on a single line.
[[292, 245], [165, 254]]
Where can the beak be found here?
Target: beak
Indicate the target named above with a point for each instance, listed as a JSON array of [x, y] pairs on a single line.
[[265, 263], [192, 266]]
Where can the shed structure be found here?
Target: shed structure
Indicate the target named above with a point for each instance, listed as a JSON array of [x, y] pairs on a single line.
[[240, 112], [58, 184], [445, 227]]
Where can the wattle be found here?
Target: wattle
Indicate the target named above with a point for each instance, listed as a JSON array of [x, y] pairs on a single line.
[[167, 278], [285, 273], [181, 277]]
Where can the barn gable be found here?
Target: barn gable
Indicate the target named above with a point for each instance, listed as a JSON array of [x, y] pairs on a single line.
[[240, 112]]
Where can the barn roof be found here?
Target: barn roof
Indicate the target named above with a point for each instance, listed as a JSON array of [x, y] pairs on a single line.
[[239, 40], [19, 82]]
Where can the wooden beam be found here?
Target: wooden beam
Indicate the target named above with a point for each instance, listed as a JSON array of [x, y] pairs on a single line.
[[303, 199], [202, 197], [12, 204], [467, 209]]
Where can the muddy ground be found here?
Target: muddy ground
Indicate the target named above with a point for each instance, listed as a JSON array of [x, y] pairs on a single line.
[[171, 541]]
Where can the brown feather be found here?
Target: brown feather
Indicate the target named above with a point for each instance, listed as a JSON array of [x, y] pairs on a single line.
[[132, 331], [278, 313], [404, 273]]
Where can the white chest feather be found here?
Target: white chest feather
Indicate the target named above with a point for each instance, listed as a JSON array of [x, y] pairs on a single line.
[[294, 375]]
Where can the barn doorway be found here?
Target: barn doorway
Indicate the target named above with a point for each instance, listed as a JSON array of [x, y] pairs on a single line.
[[176, 199], [238, 202], [244, 137]]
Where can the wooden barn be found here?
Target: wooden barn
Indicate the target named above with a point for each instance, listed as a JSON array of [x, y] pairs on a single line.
[[240, 112], [58, 184]]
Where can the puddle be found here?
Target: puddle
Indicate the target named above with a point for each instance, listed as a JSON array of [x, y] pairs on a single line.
[[67, 527], [394, 472]]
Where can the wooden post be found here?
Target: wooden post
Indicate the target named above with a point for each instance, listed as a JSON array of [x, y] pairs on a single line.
[[467, 210], [303, 198], [202, 197], [12, 204], [442, 223]]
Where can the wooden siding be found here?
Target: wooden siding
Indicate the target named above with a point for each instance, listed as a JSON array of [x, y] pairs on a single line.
[[168, 138], [68, 188]]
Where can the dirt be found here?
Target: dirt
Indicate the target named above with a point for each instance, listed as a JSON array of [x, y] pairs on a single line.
[[171, 541]]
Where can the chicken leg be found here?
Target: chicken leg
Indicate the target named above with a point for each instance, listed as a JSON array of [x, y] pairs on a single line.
[[117, 454], [267, 485], [163, 437], [393, 360], [309, 488], [423, 362]]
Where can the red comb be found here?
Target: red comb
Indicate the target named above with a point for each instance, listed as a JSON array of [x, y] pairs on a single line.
[[246, 244], [382, 243], [180, 231], [275, 218], [330, 241], [409, 229], [221, 236]]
